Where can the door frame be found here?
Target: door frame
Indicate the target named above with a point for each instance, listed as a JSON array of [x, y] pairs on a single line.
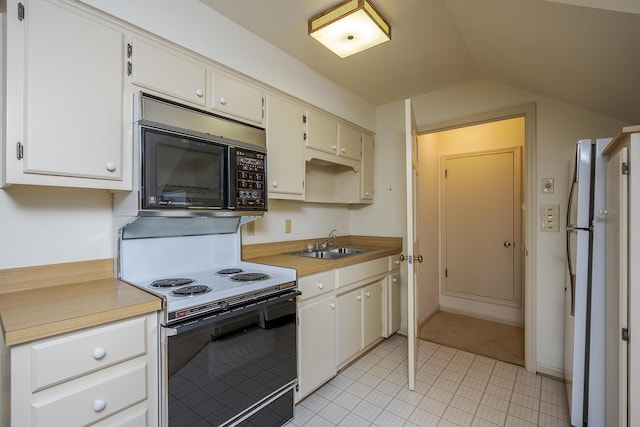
[[529, 242], [517, 302]]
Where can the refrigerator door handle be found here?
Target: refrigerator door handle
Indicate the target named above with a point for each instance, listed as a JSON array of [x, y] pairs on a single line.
[[572, 274]]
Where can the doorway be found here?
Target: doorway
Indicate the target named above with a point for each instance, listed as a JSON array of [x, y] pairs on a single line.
[[460, 215]]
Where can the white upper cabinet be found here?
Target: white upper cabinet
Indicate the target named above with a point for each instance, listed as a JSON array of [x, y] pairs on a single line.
[[167, 71], [349, 142], [285, 165], [322, 132], [366, 169], [236, 97], [65, 110]]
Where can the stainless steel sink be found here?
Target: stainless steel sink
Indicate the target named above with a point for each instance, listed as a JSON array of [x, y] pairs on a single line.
[[333, 253], [319, 254], [349, 251]]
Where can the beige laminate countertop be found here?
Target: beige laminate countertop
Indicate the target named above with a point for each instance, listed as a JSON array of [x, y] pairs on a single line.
[[30, 312], [278, 253]]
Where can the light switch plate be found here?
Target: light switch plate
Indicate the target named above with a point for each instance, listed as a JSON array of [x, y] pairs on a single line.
[[547, 185]]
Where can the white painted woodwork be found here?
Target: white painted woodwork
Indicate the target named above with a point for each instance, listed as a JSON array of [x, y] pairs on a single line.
[[411, 175], [617, 298], [481, 237], [168, 71], [367, 169], [361, 271], [322, 132], [372, 312], [82, 390], [391, 303], [57, 57], [237, 97], [317, 284], [285, 133], [316, 343], [94, 350], [623, 279], [349, 142], [349, 312]]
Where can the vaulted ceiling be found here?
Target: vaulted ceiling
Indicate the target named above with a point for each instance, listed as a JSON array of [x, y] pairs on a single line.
[[582, 52]]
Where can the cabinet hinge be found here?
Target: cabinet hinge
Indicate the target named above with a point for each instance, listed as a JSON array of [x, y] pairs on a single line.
[[446, 272], [19, 150], [445, 173], [304, 118], [129, 50], [625, 168], [304, 136], [20, 11], [129, 68], [625, 334]]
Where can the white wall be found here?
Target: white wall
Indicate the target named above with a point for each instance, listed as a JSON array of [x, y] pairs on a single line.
[[558, 127]]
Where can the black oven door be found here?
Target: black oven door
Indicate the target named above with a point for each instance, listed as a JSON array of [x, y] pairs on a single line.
[[181, 172], [236, 368]]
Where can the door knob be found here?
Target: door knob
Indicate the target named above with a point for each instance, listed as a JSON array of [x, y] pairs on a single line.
[[419, 258], [403, 258], [507, 244]]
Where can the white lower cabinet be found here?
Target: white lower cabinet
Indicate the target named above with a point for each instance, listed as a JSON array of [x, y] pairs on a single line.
[[105, 375], [349, 307], [317, 343], [359, 320], [341, 313]]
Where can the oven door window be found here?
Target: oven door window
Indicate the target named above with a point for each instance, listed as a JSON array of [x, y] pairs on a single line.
[[181, 172], [223, 369]]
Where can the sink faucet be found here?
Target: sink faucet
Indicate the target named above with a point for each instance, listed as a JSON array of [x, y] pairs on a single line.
[[330, 238]]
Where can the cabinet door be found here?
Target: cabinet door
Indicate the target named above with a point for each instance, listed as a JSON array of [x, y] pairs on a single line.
[[285, 164], [349, 312], [349, 142], [372, 313], [322, 132], [366, 169], [72, 66], [316, 344], [231, 95], [167, 71], [393, 304]]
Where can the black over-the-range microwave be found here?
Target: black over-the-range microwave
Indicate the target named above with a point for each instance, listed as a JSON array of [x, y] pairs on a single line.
[[191, 159]]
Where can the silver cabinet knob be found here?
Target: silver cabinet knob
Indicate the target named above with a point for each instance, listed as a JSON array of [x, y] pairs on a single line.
[[332, 305], [223, 100], [320, 285], [111, 167], [274, 184], [99, 353], [199, 93]]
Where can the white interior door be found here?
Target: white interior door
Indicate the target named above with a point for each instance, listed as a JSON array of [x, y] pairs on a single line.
[[481, 201], [411, 167]]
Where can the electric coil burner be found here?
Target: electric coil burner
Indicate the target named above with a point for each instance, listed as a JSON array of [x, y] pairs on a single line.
[[229, 271], [250, 277], [187, 291], [171, 283]]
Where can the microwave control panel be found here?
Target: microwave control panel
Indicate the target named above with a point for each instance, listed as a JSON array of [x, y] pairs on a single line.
[[250, 176]]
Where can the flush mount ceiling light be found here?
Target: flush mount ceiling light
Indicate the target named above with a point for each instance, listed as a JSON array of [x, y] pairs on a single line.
[[350, 27]]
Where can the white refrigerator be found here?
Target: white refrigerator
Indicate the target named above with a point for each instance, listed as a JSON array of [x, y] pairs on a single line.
[[584, 343]]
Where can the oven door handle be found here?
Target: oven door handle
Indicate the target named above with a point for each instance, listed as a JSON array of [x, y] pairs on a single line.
[[175, 329]]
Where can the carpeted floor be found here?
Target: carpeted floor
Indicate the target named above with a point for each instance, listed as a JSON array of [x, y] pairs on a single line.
[[495, 340]]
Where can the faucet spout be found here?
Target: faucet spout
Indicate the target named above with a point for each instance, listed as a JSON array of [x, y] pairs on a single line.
[[329, 240]]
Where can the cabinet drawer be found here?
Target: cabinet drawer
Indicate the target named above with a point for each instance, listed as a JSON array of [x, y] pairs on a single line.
[[394, 262], [71, 355], [361, 271], [107, 393], [316, 284]]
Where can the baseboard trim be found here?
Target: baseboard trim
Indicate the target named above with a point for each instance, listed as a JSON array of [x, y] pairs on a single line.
[[549, 371], [482, 316]]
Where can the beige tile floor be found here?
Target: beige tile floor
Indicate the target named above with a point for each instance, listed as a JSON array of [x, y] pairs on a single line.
[[453, 388]]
